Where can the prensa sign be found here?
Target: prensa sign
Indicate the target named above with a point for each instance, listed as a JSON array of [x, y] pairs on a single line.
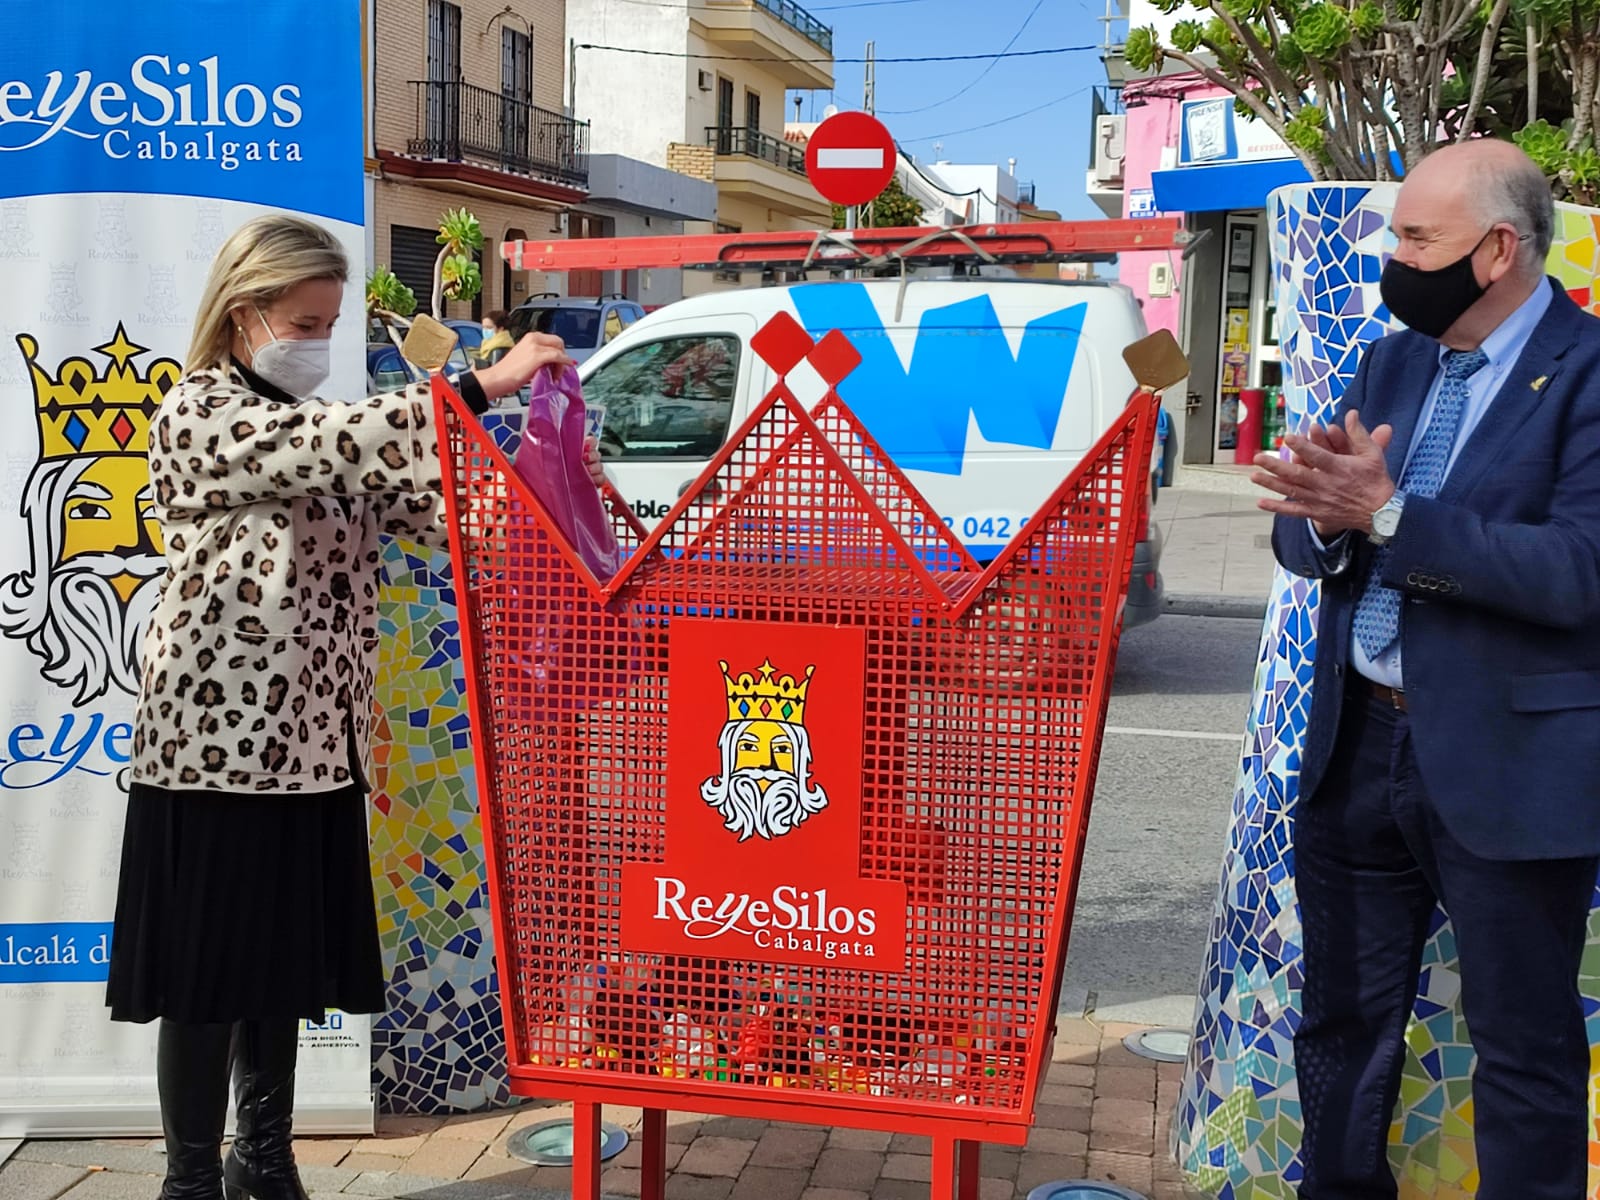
[[764, 806]]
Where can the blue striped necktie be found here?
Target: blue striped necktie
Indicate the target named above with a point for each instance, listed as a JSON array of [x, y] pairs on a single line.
[[1377, 620]]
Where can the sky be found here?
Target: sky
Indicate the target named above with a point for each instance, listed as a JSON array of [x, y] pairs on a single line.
[[923, 104]]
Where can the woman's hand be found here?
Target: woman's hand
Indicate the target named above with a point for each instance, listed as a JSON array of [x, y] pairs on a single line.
[[521, 363], [591, 459]]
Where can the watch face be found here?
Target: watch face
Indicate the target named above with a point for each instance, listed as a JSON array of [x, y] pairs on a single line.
[[1385, 521]]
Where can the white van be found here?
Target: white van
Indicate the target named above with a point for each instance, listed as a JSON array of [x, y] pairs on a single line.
[[986, 392]]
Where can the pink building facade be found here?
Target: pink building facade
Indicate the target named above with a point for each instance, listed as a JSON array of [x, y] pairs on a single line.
[[1187, 153]]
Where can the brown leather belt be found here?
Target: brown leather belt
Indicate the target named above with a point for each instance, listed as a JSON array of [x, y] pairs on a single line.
[[1395, 698]]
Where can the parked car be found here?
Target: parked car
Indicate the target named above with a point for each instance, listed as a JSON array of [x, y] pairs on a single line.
[[387, 371], [986, 392], [470, 335], [583, 324]]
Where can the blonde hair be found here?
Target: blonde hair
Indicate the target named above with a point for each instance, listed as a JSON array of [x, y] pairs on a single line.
[[261, 261]]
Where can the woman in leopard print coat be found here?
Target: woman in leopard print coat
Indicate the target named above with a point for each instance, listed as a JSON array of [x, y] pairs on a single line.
[[245, 898]]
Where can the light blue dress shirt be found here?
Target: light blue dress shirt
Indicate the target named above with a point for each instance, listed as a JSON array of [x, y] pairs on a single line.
[[1503, 347]]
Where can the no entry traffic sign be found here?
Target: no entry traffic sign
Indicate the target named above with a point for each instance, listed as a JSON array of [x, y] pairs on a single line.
[[850, 158]]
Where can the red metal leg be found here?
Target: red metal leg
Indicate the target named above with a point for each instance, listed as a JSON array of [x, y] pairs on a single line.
[[967, 1157], [944, 1169], [653, 1162], [585, 1151]]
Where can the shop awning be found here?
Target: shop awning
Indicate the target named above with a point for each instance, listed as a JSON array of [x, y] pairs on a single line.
[[1226, 186]]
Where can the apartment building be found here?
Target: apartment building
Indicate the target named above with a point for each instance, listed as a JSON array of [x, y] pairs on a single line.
[[702, 89], [467, 111]]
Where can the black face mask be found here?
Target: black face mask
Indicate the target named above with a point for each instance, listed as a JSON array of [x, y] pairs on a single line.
[[1431, 301]]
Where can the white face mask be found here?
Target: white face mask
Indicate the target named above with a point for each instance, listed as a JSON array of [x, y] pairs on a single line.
[[296, 365]]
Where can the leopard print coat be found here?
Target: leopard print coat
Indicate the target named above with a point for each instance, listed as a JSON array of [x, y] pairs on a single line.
[[259, 659]]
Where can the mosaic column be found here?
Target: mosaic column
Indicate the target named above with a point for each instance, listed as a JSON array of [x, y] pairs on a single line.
[[1237, 1128], [440, 1047]]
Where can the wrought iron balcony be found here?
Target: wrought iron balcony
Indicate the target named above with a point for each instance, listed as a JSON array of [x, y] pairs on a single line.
[[798, 19], [752, 143], [462, 122]]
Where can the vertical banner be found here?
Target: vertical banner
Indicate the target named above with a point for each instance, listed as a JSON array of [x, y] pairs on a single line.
[[133, 139]]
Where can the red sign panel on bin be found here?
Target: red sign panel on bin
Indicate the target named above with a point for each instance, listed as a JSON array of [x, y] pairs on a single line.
[[763, 829]]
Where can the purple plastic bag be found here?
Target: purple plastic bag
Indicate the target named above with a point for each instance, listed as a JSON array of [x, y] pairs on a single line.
[[550, 459]]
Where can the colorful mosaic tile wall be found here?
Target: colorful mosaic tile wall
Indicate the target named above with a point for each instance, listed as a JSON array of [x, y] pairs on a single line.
[[439, 1048], [1237, 1128]]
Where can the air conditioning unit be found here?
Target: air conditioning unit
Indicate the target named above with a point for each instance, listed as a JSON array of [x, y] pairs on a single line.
[[1110, 139], [705, 81]]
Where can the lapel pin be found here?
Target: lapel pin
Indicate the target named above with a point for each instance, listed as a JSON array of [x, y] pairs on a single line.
[[1539, 382]]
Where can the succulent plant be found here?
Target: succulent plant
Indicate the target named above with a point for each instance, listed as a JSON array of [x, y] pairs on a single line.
[[1323, 30], [1143, 48], [386, 294], [1187, 36]]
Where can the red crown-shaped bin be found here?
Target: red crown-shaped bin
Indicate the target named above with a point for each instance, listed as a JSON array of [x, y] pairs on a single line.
[[785, 819]]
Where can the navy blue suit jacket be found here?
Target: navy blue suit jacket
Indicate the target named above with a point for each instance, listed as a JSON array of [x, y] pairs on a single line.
[[1500, 574]]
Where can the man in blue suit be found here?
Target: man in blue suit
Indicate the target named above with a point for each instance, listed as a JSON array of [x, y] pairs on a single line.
[[1453, 749]]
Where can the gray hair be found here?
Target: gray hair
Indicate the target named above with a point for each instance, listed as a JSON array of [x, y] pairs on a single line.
[[1517, 193]]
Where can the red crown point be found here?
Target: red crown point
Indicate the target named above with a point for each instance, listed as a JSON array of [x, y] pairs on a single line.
[[782, 343], [834, 357]]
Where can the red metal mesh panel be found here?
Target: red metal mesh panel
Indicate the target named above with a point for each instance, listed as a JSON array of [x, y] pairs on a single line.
[[977, 726]]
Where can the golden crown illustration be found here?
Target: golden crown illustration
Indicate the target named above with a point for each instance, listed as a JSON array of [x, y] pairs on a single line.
[[768, 698], [81, 412]]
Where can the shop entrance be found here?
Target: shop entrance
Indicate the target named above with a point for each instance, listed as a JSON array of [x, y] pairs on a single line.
[[1247, 336]]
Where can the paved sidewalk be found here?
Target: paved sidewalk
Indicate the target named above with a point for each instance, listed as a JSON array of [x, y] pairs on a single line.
[[1217, 545], [1104, 1115]]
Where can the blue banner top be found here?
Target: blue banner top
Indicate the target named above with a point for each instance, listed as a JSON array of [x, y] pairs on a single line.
[[259, 103]]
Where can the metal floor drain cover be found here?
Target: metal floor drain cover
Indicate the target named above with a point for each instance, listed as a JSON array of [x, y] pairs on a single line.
[[1168, 1044], [549, 1143], [1084, 1189]]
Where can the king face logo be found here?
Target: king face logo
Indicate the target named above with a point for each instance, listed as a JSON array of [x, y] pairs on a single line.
[[81, 603], [161, 300], [64, 302], [16, 234], [208, 232], [765, 787], [113, 242], [763, 837]]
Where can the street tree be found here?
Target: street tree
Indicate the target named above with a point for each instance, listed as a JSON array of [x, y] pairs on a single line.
[[1359, 90], [892, 209]]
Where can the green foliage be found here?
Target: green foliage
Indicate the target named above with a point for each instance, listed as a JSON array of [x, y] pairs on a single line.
[[1143, 48], [1307, 131], [1323, 30], [1290, 57], [385, 293], [1243, 10], [459, 231], [1545, 144], [1582, 171], [1367, 20], [1186, 36], [893, 209], [462, 277]]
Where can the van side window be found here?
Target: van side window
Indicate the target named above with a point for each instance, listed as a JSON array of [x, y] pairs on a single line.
[[667, 399]]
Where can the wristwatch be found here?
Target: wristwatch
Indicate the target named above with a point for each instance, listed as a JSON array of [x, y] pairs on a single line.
[[1386, 521]]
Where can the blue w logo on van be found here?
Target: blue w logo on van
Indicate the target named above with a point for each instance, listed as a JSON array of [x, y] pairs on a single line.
[[961, 368]]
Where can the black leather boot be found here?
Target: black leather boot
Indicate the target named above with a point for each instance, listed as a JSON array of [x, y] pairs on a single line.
[[260, 1165], [192, 1081]]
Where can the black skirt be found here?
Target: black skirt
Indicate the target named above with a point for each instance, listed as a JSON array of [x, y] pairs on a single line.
[[242, 906]]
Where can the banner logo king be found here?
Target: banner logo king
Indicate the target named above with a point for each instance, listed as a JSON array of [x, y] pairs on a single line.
[[94, 548]]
